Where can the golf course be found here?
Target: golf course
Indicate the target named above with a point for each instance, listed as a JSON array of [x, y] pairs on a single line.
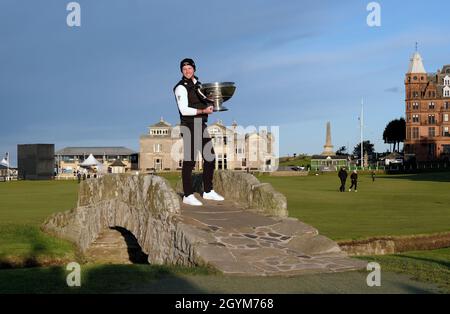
[[392, 205]]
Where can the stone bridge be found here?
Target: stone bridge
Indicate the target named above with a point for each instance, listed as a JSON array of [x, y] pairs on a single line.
[[247, 234]]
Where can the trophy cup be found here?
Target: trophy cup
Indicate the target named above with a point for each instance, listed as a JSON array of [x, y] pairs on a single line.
[[218, 92]]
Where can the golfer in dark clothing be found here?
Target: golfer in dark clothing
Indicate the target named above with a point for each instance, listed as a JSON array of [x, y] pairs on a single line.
[[194, 109], [354, 178], [342, 174]]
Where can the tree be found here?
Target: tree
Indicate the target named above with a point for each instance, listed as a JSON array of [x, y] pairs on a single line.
[[342, 151], [395, 132], [368, 147]]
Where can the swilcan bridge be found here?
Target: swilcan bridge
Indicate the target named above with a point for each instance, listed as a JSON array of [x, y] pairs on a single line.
[[249, 233]]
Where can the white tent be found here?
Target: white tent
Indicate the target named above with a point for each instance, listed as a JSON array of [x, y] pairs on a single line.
[[90, 161], [4, 162], [101, 168]]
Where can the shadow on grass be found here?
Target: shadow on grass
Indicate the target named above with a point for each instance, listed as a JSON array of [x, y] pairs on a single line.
[[428, 260], [37, 249], [432, 176], [98, 279]]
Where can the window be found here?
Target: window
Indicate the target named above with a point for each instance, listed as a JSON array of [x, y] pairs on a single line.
[[431, 149], [214, 131], [159, 132], [415, 132], [446, 149], [431, 105], [431, 132], [445, 131], [446, 91], [415, 118], [415, 94], [219, 161], [415, 106], [445, 117], [157, 148], [446, 80], [431, 119], [447, 105]]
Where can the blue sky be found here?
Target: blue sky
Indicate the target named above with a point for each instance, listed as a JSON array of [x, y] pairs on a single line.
[[297, 64]]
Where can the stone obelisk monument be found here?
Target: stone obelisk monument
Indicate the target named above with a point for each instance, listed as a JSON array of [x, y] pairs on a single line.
[[328, 147]]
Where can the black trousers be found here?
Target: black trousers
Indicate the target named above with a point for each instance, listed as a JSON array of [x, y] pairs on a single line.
[[196, 139], [342, 188], [354, 184]]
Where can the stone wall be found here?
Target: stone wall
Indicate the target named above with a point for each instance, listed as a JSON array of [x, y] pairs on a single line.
[[289, 173], [393, 245]]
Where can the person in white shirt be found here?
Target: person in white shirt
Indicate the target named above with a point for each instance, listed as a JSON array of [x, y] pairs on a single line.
[[194, 109]]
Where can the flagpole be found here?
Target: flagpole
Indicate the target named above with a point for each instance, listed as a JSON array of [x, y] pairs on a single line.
[[7, 165], [361, 126]]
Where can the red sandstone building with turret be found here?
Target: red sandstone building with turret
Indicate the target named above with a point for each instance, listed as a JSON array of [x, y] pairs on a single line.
[[427, 112]]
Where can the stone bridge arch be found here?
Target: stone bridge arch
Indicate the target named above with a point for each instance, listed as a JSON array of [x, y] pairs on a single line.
[[145, 205]]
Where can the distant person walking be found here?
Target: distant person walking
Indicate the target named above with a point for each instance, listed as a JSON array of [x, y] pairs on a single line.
[[79, 177], [354, 178], [342, 174], [373, 176]]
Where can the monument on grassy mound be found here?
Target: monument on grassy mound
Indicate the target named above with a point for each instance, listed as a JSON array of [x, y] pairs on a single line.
[[328, 160]]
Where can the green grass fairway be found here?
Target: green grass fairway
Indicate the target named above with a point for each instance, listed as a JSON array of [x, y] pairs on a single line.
[[425, 266], [24, 205], [30, 202], [392, 205]]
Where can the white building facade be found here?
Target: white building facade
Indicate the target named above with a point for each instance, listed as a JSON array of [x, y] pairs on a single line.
[[236, 148]]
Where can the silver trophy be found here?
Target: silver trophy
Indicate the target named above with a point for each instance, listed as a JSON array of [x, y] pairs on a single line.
[[218, 92]]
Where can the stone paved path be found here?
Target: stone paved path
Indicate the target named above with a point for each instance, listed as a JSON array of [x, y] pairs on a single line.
[[241, 242]]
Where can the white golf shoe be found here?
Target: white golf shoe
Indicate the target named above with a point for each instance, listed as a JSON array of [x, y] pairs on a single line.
[[191, 200], [212, 195]]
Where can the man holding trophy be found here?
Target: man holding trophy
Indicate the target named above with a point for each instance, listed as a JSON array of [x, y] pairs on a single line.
[[194, 107]]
